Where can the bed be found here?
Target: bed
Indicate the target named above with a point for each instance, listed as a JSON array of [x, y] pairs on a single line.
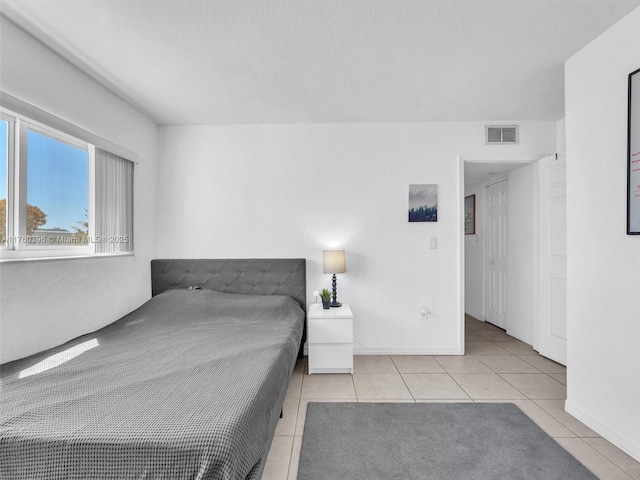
[[188, 386]]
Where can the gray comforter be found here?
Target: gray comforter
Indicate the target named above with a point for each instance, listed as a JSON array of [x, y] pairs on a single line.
[[182, 388]]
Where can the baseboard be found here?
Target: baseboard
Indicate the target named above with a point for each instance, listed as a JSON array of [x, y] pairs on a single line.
[[519, 336], [604, 431], [476, 315], [360, 350]]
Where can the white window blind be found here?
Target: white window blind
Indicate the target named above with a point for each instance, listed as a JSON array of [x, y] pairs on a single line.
[[113, 203]]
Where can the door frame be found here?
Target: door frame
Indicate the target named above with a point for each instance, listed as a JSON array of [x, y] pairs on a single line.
[[493, 158]]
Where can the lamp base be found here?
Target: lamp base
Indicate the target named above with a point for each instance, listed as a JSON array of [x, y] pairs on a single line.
[[334, 301]]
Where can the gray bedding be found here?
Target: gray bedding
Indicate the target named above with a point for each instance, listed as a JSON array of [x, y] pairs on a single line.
[[182, 388]]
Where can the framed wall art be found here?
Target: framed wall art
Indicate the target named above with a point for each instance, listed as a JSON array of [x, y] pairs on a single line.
[[633, 156], [470, 215], [423, 203]]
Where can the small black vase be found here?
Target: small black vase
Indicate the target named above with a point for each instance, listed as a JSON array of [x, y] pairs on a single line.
[[325, 304]]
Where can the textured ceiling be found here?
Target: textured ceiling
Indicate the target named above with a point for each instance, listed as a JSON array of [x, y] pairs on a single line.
[[292, 61]]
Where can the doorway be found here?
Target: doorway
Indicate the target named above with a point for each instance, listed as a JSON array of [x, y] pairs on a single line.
[[519, 284], [499, 258]]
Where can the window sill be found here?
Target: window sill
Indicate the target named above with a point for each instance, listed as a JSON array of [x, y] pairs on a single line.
[[65, 257]]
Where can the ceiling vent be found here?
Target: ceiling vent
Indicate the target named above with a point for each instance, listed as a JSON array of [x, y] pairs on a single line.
[[501, 134]]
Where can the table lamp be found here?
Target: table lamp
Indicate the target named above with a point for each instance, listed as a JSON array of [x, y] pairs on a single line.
[[333, 262]]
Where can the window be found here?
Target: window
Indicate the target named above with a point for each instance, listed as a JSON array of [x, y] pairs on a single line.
[[57, 201], [54, 201]]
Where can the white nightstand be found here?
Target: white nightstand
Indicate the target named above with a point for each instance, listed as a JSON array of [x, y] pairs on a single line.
[[330, 339]]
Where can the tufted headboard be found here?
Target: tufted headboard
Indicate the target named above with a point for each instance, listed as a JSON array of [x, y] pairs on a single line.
[[258, 276]]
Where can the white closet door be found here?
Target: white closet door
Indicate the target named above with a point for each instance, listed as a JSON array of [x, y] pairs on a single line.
[[497, 197]]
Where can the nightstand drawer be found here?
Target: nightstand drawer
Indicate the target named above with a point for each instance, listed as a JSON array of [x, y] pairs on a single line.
[[328, 358], [330, 330]]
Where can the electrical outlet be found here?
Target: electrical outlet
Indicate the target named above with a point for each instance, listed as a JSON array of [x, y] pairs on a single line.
[[424, 313]]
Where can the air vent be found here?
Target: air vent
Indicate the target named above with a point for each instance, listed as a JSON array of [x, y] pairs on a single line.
[[501, 134]]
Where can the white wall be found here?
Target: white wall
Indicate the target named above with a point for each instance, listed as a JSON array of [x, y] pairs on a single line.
[[293, 190], [521, 218], [474, 258], [561, 137], [603, 304], [45, 303]]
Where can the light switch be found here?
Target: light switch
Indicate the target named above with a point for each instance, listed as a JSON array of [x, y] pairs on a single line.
[[434, 243]]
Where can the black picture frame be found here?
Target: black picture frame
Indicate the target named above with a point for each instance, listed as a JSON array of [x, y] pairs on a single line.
[[633, 155], [470, 215]]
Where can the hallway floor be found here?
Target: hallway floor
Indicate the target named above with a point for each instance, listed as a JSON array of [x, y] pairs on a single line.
[[495, 368]]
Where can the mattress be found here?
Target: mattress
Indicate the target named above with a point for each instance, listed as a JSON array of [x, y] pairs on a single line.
[[185, 387]]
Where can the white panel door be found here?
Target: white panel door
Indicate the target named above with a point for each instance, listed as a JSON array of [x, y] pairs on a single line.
[[496, 278], [552, 322]]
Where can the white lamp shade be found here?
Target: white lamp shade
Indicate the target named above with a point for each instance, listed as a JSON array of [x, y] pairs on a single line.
[[333, 261]]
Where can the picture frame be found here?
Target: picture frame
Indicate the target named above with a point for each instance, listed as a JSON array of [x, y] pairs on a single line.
[[633, 155], [423, 203], [470, 215]]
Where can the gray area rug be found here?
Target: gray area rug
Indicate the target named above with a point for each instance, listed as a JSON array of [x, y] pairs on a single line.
[[440, 441]]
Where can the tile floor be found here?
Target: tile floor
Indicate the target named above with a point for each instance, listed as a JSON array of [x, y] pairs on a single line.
[[496, 368]]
